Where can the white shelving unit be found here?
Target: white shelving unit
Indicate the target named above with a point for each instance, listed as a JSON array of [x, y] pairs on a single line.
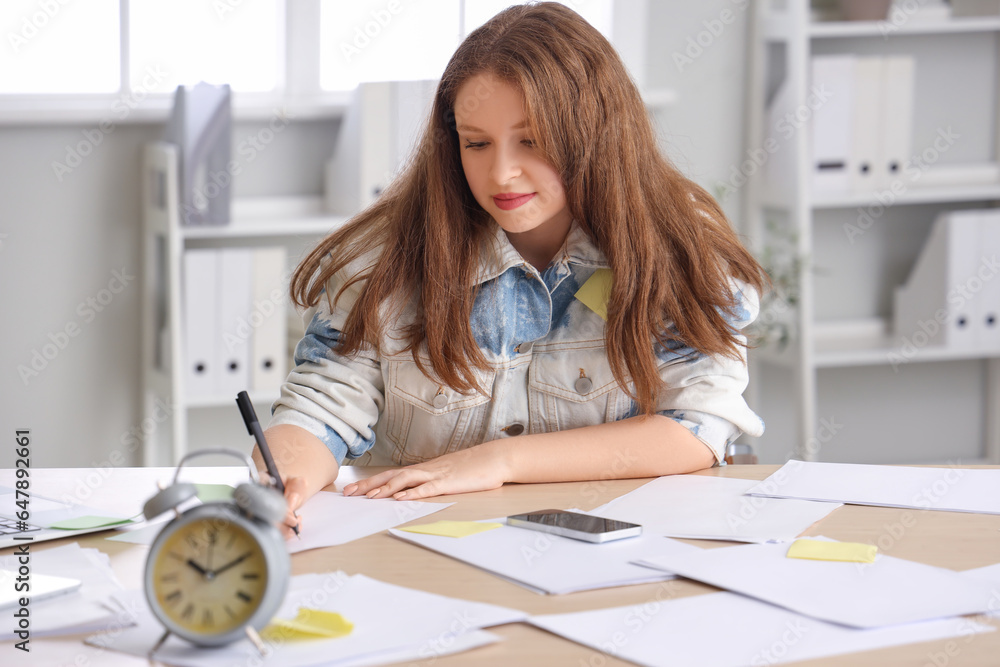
[[783, 40], [280, 221]]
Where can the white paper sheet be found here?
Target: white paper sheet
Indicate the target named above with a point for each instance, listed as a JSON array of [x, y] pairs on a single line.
[[552, 564], [989, 575], [945, 489], [889, 591], [713, 508], [389, 622], [84, 610], [329, 519], [332, 518], [728, 630]]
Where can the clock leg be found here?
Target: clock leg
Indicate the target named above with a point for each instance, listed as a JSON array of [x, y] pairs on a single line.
[[256, 641], [158, 644]]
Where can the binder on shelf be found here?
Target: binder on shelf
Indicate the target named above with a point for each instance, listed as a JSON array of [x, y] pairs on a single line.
[[866, 150], [988, 314], [935, 306], [232, 342], [897, 116], [833, 126], [200, 312], [200, 124], [377, 135], [269, 319]]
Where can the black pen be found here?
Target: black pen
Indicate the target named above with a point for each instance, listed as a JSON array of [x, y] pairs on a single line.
[[253, 428]]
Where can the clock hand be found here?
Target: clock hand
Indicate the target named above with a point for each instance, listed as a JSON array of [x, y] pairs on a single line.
[[232, 563], [199, 568]]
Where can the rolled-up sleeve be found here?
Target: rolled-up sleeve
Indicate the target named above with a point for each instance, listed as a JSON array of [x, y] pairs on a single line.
[[705, 393], [336, 398]]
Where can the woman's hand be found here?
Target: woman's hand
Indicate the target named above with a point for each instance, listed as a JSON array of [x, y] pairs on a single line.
[[295, 494], [478, 468]]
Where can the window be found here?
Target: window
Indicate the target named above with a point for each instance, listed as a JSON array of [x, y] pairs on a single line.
[[59, 47], [187, 41]]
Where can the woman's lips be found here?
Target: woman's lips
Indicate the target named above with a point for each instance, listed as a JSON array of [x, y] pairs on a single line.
[[508, 201]]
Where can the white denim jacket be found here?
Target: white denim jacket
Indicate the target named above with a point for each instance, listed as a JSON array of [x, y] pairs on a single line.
[[548, 371]]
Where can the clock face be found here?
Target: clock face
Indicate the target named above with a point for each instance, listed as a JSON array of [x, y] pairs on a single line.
[[209, 576]]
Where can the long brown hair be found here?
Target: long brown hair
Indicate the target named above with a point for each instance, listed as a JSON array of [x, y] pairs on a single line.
[[668, 244]]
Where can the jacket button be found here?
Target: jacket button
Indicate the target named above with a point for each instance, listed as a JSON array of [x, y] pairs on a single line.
[[440, 401], [525, 347], [515, 429], [583, 385]]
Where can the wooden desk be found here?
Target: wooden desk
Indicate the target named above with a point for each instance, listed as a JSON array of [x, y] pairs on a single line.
[[946, 539]]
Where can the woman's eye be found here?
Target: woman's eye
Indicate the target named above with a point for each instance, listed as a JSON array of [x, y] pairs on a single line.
[[528, 142], [475, 144]]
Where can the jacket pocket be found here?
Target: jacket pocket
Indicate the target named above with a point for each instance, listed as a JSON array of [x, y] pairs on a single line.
[[569, 388], [425, 419]]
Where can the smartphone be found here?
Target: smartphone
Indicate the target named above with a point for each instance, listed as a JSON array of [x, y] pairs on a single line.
[[575, 525]]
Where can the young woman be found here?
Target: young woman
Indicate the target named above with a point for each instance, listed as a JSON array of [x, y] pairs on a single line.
[[538, 297]]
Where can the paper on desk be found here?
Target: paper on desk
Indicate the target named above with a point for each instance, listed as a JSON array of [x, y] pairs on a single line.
[[391, 623], [85, 610], [713, 508], [331, 518], [945, 489], [989, 575], [728, 630], [552, 564], [889, 591], [46, 512]]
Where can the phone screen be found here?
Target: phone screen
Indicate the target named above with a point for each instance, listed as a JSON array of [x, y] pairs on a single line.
[[582, 522]]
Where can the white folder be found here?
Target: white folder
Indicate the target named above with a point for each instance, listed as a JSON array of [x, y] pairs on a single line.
[[934, 302], [200, 314], [269, 317], [897, 116], [867, 150], [988, 314], [233, 338], [832, 129]]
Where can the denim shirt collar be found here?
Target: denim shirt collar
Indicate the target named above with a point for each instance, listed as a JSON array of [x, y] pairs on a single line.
[[498, 255]]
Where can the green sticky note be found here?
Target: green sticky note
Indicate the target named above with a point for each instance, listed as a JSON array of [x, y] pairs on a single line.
[[81, 522], [307, 624], [452, 528], [849, 552], [596, 291], [212, 492]]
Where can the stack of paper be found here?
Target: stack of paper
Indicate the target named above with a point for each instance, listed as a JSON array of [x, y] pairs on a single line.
[[713, 508], [88, 609], [945, 489], [552, 564], [727, 630], [889, 591], [389, 624]]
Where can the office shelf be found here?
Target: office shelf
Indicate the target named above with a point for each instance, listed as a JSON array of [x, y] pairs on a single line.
[[783, 40]]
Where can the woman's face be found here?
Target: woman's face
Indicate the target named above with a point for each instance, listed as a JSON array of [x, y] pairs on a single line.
[[505, 172]]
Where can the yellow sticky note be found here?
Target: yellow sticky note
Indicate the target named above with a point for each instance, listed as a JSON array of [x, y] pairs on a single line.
[[452, 528], [307, 624], [596, 291], [850, 552]]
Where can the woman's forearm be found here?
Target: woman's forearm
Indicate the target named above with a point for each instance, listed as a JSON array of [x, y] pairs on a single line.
[[637, 447], [298, 453]]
